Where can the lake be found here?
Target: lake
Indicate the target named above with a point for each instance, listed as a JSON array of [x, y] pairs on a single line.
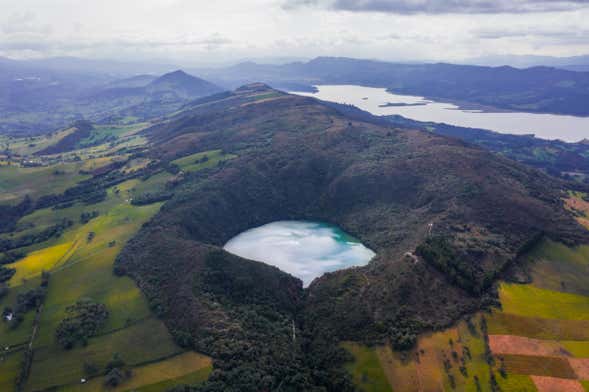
[[303, 249], [374, 100]]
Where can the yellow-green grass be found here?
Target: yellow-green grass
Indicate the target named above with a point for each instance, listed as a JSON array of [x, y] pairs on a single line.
[[561, 268], [191, 163], [10, 365], [142, 342], [136, 164], [538, 366], [579, 349], [88, 272], [45, 259], [30, 145], [423, 367], [17, 182], [102, 132], [585, 384], [538, 328], [193, 378], [366, 369], [17, 336], [531, 301], [186, 368], [516, 383], [153, 184]]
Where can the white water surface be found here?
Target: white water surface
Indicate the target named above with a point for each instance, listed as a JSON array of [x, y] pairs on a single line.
[[370, 99], [304, 249]]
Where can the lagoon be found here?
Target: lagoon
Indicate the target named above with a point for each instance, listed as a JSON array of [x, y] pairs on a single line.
[[380, 102], [304, 249]]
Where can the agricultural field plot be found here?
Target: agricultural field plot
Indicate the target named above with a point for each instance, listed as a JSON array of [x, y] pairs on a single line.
[[539, 340], [80, 263], [532, 301], [559, 268], [202, 160], [367, 370], [188, 367], [144, 342], [18, 182], [10, 365], [542, 328], [104, 133], [31, 145], [452, 360]]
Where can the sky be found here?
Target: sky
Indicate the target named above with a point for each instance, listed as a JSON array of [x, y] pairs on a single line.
[[199, 32]]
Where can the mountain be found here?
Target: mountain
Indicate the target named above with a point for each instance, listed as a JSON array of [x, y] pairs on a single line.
[[161, 95], [538, 89], [112, 68], [182, 84], [570, 63], [36, 100], [446, 219], [133, 81]]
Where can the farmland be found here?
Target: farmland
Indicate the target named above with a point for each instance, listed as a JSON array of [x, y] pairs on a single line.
[[79, 265], [539, 339]]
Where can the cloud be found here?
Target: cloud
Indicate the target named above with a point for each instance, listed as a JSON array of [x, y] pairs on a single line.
[[526, 32], [409, 7], [23, 22]]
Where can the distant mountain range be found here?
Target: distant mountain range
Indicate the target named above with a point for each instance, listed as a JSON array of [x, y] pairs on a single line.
[[37, 100], [537, 89], [37, 96], [575, 63]]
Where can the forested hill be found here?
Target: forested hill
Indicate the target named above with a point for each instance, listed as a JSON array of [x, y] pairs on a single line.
[[446, 220]]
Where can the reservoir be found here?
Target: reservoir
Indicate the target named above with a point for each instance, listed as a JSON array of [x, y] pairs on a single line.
[[380, 102], [303, 249]]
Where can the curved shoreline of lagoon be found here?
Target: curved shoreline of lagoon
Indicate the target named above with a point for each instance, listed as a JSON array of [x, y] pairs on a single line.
[[304, 249]]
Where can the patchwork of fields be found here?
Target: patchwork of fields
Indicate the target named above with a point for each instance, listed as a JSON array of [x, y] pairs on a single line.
[[537, 341], [79, 262]]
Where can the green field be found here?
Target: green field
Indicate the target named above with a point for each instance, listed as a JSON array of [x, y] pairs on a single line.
[[202, 160], [555, 313], [531, 301], [188, 367], [81, 267], [17, 182], [366, 369]]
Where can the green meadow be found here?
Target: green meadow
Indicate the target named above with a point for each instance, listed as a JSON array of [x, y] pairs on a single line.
[[80, 263]]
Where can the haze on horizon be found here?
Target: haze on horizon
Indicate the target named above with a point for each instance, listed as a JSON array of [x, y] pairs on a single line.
[[196, 32]]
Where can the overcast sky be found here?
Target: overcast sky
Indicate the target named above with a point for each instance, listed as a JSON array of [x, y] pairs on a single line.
[[195, 31]]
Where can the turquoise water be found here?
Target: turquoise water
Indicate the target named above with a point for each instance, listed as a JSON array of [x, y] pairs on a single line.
[[304, 249]]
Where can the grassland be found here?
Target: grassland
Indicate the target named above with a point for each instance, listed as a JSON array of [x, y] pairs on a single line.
[[434, 364], [81, 266], [189, 367], [17, 182], [202, 160], [46, 259], [532, 301], [366, 370]]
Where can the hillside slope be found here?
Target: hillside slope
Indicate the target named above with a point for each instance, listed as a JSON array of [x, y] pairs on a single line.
[[464, 215]]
